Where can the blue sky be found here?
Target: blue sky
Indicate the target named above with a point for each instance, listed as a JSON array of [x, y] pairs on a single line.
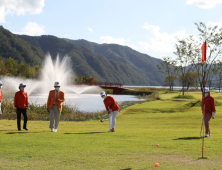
[[150, 27]]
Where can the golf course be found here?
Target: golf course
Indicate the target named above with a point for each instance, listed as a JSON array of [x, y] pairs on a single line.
[[173, 123]]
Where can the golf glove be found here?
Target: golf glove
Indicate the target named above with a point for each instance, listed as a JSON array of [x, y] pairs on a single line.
[[15, 108], [213, 115], [109, 111]]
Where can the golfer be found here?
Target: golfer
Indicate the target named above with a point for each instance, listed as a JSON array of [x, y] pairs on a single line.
[[208, 110], [21, 106], [112, 107], [54, 106], [1, 97]]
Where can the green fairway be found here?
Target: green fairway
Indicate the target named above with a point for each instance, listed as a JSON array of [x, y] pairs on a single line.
[[87, 145]]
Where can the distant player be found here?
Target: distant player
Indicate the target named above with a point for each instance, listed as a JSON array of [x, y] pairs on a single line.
[[1, 97], [21, 105], [112, 107], [209, 111], [54, 106]]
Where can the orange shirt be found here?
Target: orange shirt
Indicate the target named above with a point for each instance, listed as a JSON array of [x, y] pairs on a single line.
[[21, 99], [1, 95], [51, 99], [209, 104], [110, 103]]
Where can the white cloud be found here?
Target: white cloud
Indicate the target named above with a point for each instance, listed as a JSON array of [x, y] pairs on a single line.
[[213, 24], [32, 29], [110, 40], [204, 3], [120, 41], [67, 35], [20, 7], [160, 42], [90, 30]]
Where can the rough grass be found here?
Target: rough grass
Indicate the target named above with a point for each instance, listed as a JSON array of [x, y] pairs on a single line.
[[86, 145], [183, 97]]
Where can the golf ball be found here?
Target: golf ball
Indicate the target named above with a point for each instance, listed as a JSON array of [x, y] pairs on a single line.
[[101, 120], [156, 164], [157, 144]]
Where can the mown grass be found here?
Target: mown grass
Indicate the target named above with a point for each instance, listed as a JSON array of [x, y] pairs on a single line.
[[86, 145]]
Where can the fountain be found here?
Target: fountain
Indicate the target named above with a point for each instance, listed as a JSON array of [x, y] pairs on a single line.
[[51, 72]]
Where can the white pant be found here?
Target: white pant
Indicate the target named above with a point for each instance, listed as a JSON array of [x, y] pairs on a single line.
[[112, 119], [0, 108], [54, 117]]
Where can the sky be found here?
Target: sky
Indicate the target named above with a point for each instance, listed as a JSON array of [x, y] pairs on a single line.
[[150, 27]]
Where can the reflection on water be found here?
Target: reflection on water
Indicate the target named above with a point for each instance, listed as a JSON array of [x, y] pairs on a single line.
[[83, 102]]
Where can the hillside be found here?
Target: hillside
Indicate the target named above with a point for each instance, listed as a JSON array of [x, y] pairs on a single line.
[[106, 62], [142, 63], [18, 49], [86, 62]]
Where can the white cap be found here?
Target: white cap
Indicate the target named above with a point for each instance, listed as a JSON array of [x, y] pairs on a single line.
[[206, 90], [56, 84], [103, 93], [22, 85], [1, 83]]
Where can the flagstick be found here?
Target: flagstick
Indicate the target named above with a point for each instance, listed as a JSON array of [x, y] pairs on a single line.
[[204, 51]]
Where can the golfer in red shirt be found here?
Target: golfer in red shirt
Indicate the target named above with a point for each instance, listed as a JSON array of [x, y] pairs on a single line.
[[112, 107], [208, 110], [21, 106], [1, 96]]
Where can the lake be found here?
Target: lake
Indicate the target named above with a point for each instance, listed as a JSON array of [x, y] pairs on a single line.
[[84, 102]]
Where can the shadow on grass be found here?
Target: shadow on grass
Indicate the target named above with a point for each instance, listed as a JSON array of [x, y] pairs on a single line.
[[127, 169], [11, 133], [188, 138], [83, 133]]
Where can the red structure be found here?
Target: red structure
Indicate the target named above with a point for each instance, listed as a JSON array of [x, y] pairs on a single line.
[[117, 87]]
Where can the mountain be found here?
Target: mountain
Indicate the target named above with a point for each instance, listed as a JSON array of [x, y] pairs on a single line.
[[18, 49], [106, 62], [144, 64], [86, 62]]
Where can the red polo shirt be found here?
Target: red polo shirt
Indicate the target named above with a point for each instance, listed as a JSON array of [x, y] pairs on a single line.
[[1, 95], [111, 103], [21, 99], [209, 104]]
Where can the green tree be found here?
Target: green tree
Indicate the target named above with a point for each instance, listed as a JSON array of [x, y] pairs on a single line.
[[184, 61], [11, 65], [169, 80], [213, 37], [168, 67]]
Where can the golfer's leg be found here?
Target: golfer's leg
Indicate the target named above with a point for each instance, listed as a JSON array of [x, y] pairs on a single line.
[[0, 108], [114, 119], [18, 118], [57, 116], [208, 117], [51, 125], [110, 120], [24, 113]]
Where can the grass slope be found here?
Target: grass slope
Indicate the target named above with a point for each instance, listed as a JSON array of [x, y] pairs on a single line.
[[86, 145]]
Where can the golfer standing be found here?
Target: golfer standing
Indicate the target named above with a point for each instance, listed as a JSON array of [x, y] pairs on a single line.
[[112, 107], [208, 110], [1, 97], [54, 106], [21, 106]]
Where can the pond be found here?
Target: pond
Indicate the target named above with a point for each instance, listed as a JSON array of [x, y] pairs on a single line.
[[84, 102]]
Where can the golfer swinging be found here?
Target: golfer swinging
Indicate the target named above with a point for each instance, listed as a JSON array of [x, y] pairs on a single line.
[[112, 107], [209, 111]]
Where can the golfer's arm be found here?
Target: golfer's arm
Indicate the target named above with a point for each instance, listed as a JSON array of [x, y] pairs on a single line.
[[49, 100], [63, 98]]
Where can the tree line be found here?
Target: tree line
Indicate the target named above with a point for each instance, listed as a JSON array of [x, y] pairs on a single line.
[[11, 67], [187, 68]]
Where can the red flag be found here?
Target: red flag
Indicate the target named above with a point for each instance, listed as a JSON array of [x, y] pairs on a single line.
[[204, 52]]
